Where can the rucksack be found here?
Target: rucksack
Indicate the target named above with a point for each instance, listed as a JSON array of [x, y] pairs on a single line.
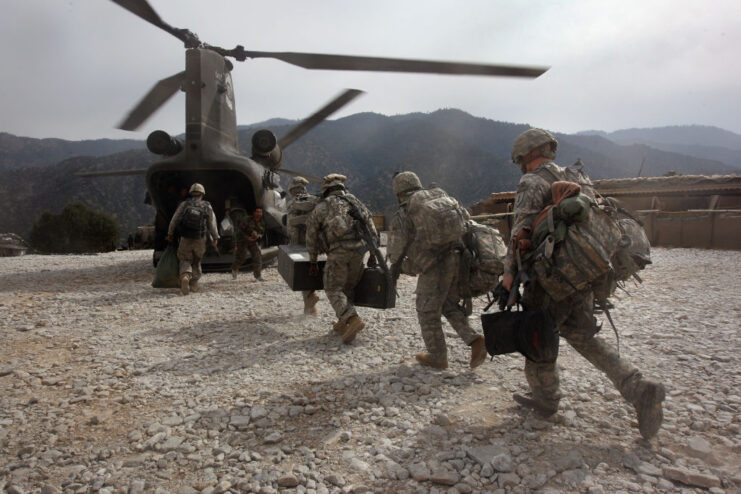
[[439, 222], [339, 225], [574, 257], [299, 209], [634, 249], [482, 260], [573, 174], [194, 219]]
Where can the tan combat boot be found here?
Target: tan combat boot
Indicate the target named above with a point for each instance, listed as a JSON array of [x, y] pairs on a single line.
[[185, 283], [478, 352], [542, 409], [194, 287], [234, 274], [310, 305], [648, 407], [353, 327], [426, 359], [340, 326]]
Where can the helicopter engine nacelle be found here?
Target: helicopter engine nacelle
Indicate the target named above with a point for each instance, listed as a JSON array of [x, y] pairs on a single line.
[[160, 142], [266, 150]]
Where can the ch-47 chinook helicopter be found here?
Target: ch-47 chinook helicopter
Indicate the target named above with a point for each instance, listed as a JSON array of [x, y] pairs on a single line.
[[209, 154]]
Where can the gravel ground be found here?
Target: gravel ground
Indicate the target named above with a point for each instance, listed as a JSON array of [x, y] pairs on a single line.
[[108, 385]]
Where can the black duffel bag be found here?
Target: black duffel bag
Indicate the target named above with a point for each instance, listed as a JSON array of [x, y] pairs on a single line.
[[531, 332]]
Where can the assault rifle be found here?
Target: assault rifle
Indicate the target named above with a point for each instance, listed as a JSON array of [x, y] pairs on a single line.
[[507, 299], [396, 267]]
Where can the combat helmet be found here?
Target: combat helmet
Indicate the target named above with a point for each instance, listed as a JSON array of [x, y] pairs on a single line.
[[298, 183], [197, 188], [333, 180], [405, 182], [532, 139]]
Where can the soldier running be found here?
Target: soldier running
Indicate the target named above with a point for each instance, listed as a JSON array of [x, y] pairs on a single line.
[[438, 265], [249, 229], [331, 229], [534, 151]]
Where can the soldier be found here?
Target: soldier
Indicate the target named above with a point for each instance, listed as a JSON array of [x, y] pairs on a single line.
[[299, 207], [534, 151], [194, 219], [437, 265], [250, 229], [331, 229]]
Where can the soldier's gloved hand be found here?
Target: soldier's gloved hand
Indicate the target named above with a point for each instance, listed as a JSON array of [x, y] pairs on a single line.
[[372, 261], [170, 238], [313, 270], [507, 280]]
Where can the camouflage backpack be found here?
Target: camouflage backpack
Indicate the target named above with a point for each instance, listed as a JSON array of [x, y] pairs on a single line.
[[299, 209], [634, 250], [193, 221], [339, 225], [439, 223], [481, 264], [576, 256]]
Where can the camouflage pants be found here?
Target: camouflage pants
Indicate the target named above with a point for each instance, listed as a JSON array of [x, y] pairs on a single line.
[[575, 321], [240, 255], [190, 253], [342, 272], [437, 295]]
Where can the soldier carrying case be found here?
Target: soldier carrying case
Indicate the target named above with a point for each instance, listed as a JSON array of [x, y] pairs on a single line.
[[293, 266], [373, 290]]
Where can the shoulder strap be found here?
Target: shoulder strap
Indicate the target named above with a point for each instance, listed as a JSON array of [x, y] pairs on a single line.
[[540, 171]]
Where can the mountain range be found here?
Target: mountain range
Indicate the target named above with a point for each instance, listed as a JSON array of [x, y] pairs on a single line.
[[468, 156]]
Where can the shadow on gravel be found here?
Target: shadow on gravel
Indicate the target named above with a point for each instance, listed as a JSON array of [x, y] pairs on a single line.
[[315, 414], [237, 344], [146, 296], [58, 280]]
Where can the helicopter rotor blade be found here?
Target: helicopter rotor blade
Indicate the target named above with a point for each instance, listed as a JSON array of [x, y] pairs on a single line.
[[156, 97], [292, 173], [375, 64], [113, 173], [142, 9], [318, 117]]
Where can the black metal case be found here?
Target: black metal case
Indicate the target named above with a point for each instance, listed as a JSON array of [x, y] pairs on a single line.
[[374, 290], [293, 266]]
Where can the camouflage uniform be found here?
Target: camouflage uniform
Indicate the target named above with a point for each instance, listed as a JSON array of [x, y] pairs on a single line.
[[248, 227], [300, 207], [574, 316], [191, 250], [326, 232], [437, 287]]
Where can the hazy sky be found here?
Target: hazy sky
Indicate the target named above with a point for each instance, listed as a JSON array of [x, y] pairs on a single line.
[[73, 68]]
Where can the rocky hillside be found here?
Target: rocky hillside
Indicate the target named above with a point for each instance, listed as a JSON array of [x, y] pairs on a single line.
[[692, 140], [26, 193], [466, 155], [24, 152]]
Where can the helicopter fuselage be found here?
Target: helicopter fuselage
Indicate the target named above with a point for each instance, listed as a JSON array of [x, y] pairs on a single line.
[[209, 155]]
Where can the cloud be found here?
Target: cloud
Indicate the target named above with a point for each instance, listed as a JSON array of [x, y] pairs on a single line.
[[74, 68]]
